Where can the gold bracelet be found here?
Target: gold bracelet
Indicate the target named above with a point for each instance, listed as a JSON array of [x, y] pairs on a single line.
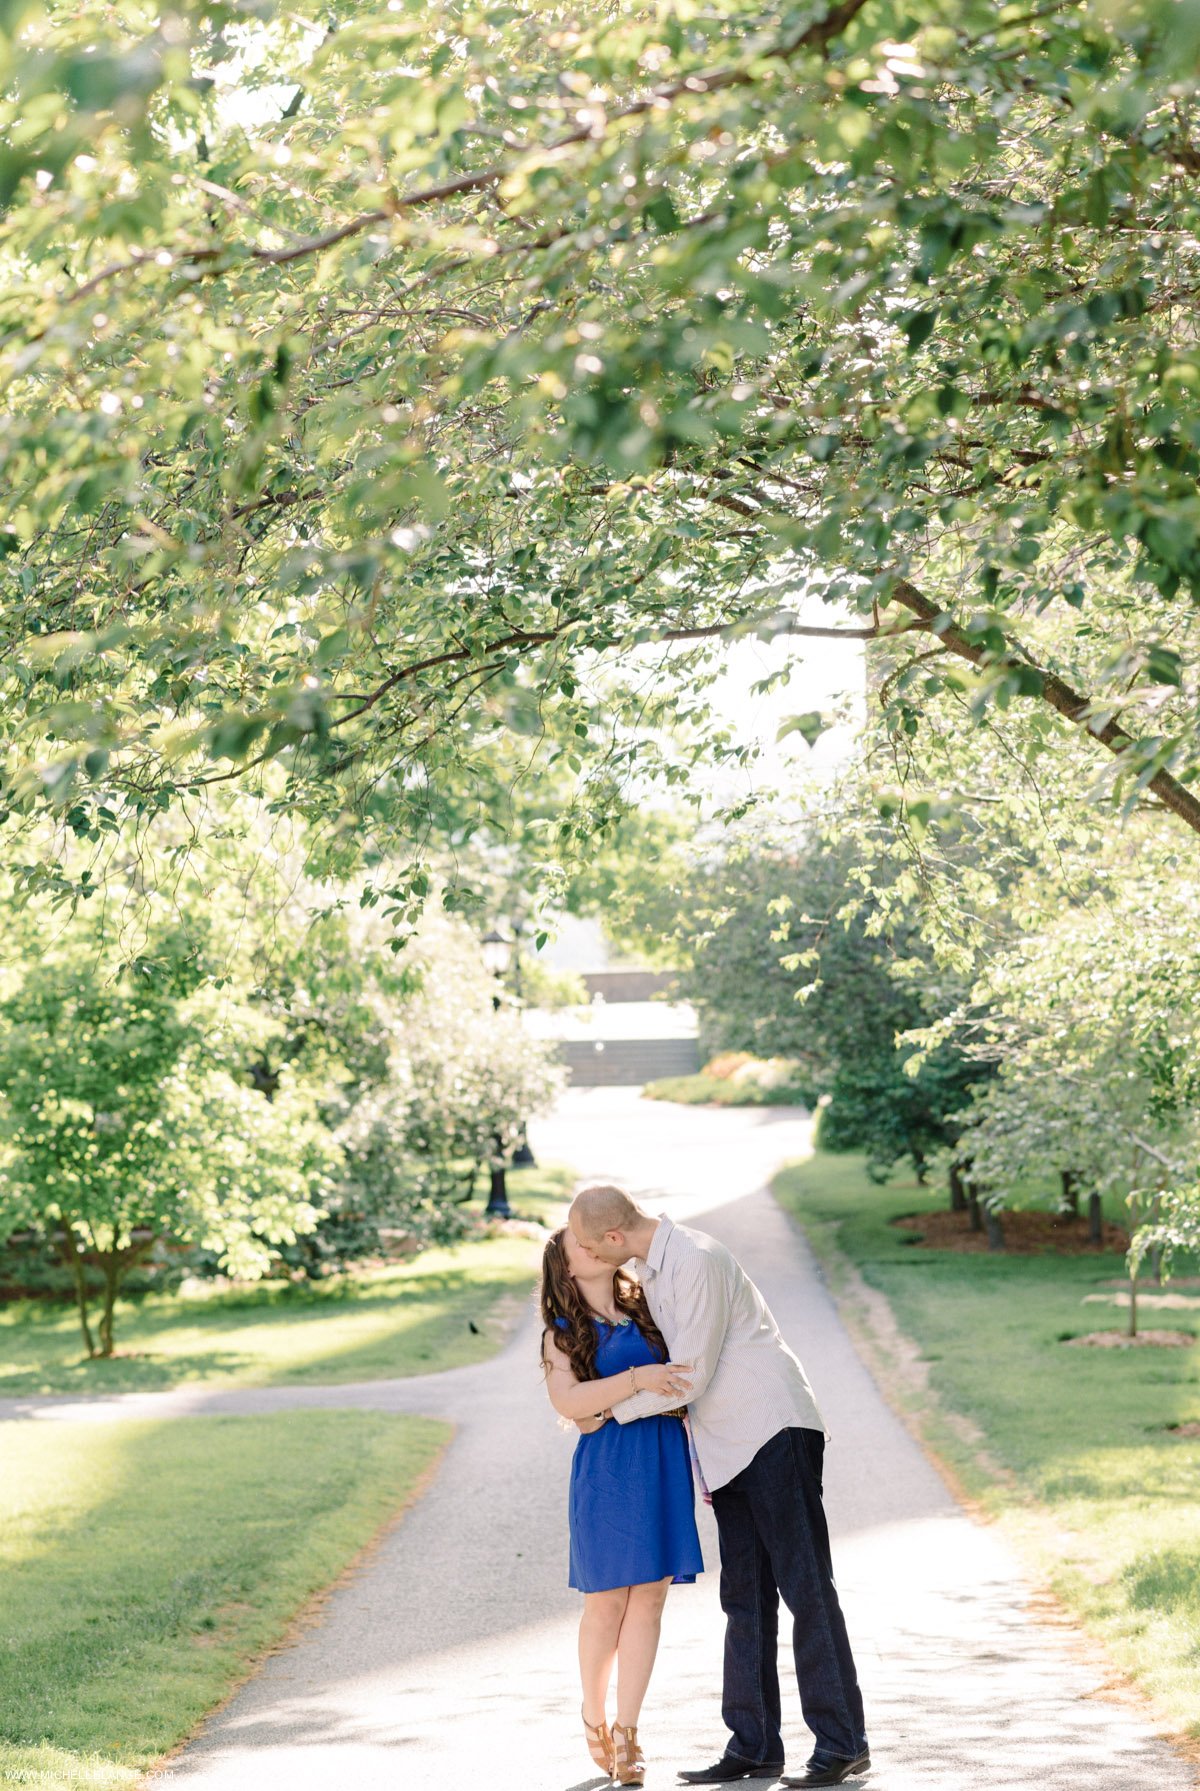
[[633, 1387]]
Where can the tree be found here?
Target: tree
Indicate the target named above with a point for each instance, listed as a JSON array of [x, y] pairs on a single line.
[[1092, 1027], [354, 420], [224, 1050], [123, 1120], [1173, 1228], [784, 962]]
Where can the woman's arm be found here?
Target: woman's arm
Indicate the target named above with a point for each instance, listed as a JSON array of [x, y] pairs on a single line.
[[573, 1398]]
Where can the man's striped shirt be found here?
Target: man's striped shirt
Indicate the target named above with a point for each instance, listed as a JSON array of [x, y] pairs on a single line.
[[747, 1385]]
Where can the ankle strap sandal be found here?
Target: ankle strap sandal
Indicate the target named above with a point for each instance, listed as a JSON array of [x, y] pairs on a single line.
[[630, 1763], [599, 1744]]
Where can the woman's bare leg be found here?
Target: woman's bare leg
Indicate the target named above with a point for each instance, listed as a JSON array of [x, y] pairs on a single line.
[[636, 1647], [599, 1628]]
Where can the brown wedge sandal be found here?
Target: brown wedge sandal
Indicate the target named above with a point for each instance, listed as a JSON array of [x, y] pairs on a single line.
[[600, 1744], [630, 1765]]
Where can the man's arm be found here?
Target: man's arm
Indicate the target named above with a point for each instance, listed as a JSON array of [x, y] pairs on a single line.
[[695, 1311], [572, 1398]]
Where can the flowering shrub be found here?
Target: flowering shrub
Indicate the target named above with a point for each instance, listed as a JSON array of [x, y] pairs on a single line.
[[726, 1064], [458, 1080]]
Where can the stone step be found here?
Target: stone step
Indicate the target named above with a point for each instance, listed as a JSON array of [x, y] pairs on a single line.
[[611, 1063], [628, 985]]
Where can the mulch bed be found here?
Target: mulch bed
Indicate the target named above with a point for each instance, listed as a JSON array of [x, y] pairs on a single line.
[[1175, 1283], [1025, 1234], [1184, 1430], [1144, 1339]]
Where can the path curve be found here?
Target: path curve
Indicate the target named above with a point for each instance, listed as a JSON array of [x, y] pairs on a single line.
[[448, 1659]]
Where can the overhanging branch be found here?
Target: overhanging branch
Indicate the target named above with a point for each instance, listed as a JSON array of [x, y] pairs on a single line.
[[218, 258], [522, 640], [1070, 704]]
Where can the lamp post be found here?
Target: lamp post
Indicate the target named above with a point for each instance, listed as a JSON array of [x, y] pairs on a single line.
[[497, 951], [522, 1157]]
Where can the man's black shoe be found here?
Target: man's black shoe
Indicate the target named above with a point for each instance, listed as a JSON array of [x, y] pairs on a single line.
[[730, 1767], [831, 1772]]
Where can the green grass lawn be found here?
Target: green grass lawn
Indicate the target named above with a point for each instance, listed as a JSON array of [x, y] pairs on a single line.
[[1087, 1472], [412, 1318], [145, 1566]]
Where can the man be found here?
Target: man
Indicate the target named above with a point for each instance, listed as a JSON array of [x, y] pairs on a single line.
[[760, 1441]]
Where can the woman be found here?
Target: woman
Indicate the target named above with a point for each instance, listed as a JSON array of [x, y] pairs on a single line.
[[632, 1510]]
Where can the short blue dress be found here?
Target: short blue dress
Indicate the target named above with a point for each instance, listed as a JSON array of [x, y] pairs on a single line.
[[632, 1504]]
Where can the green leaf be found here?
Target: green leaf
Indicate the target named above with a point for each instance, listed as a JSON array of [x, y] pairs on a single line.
[[234, 735], [918, 326], [810, 726], [1164, 665], [660, 211], [331, 648]]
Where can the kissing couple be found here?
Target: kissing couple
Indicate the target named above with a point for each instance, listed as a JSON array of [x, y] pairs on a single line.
[[638, 1362]]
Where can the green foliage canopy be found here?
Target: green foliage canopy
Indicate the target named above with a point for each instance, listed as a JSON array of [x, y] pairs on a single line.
[[354, 418], [1091, 1025]]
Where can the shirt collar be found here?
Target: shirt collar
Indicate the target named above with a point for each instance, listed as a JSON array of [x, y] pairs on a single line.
[[658, 1244]]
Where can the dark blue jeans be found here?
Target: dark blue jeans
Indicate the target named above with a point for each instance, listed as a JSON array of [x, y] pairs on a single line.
[[775, 1542]]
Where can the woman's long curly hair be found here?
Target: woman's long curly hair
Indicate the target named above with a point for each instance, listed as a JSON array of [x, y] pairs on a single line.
[[562, 1299]]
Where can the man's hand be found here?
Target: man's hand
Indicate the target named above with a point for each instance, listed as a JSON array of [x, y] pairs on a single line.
[[674, 1378]]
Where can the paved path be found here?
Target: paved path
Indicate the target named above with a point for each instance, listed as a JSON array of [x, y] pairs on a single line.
[[449, 1659]]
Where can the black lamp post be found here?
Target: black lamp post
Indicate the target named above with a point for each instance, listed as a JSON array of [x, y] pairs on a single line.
[[522, 1157], [496, 953]]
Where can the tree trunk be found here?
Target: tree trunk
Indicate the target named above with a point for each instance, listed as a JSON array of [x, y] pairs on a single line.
[[920, 1168], [958, 1192], [995, 1229], [975, 1210], [1133, 1309], [112, 1282], [1070, 1192], [71, 1252], [1095, 1220]]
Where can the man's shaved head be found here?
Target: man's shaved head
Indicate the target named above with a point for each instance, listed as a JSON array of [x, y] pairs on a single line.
[[608, 1225], [601, 1207]]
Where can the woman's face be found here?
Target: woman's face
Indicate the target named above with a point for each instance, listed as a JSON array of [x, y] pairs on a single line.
[[581, 1266]]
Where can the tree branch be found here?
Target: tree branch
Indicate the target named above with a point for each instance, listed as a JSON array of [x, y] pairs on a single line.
[[1069, 703], [212, 260], [523, 638], [545, 637]]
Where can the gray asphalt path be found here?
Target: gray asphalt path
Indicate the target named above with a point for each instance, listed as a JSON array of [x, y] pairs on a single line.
[[449, 1658]]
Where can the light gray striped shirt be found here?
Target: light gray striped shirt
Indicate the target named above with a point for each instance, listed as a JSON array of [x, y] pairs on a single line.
[[747, 1385]]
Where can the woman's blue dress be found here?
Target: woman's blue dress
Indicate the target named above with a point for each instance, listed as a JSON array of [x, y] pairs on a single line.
[[632, 1505]]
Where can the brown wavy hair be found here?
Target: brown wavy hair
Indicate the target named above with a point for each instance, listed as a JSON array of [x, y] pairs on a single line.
[[561, 1298]]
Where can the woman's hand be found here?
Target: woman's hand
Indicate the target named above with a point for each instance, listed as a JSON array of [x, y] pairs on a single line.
[[673, 1379]]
